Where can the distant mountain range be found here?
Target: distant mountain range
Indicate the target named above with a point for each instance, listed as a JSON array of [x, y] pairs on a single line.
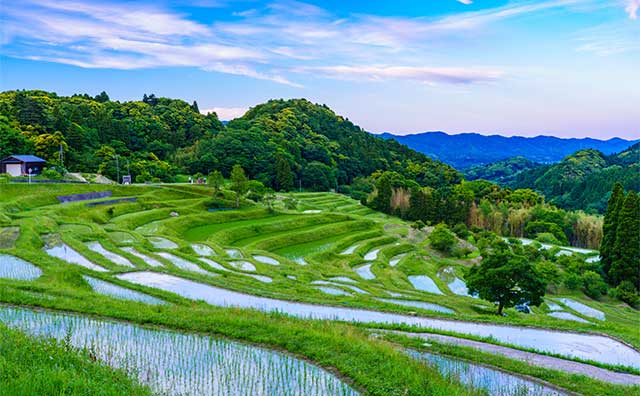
[[470, 149]]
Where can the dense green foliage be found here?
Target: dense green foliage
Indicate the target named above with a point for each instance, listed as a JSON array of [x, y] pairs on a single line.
[[584, 179], [283, 144], [31, 366], [481, 204], [620, 248], [501, 172], [506, 277]]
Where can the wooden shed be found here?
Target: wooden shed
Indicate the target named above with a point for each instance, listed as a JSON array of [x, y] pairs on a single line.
[[19, 165]]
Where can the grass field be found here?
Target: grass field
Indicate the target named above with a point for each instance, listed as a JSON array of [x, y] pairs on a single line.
[[313, 254]]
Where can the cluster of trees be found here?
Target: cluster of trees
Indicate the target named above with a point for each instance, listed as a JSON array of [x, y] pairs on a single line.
[[620, 248], [583, 180], [479, 204], [502, 172], [283, 144], [92, 131]]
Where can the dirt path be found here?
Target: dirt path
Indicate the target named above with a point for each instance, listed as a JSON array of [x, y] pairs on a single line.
[[535, 359]]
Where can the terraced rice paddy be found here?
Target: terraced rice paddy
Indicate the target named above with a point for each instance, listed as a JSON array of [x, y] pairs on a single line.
[[590, 347], [494, 382], [583, 309], [182, 364], [111, 290], [184, 264], [424, 283], [147, 259], [65, 253], [114, 258], [12, 267], [339, 262]]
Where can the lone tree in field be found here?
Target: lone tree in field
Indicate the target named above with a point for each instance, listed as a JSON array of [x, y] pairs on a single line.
[[239, 183], [216, 180], [506, 278]]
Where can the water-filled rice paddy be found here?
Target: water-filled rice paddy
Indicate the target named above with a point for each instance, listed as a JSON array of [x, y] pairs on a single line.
[[147, 259], [182, 364], [365, 272], [567, 316], [202, 250], [334, 291], [265, 259], [112, 290], [494, 382], [184, 264], [66, 253], [162, 243], [583, 309], [424, 283], [12, 267], [585, 346], [114, 258], [243, 265], [418, 304]]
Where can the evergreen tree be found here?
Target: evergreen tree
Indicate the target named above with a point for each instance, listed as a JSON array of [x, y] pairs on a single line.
[[625, 265], [284, 176], [102, 97], [610, 226]]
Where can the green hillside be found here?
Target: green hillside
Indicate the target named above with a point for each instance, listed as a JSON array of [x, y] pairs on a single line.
[[280, 143], [583, 180], [501, 172]]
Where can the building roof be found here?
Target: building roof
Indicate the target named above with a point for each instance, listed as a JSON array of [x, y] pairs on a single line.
[[24, 158]]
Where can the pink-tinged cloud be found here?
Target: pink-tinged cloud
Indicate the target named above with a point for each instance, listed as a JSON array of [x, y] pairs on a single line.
[[467, 2], [632, 8], [448, 75]]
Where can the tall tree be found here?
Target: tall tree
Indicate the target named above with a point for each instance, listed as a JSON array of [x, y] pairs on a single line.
[[610, 226], [239, 183], [216, 180], [507, 278], [625, 265], [284, 176]]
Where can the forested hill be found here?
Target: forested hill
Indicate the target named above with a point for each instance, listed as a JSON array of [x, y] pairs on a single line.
[[470, 149], [501, 172], [281, 143], [584, 179]]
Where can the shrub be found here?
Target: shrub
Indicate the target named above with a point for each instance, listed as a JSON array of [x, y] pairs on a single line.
[[461, 231], [51, 174], [418, 225], [573, 281], [442, 239], [290, 203], [547, 237], [593, 285], [627, 292]]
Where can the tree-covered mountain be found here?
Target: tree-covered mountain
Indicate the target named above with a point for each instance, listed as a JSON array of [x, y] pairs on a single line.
[[501, 172], [584, 179], [470, 149], [280, 143]]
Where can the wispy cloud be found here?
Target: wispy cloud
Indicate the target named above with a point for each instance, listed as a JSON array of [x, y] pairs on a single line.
[[468, 75], [284, 36], [632, 8]]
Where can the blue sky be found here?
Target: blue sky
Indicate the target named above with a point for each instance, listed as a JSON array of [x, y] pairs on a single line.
[[556, 67]]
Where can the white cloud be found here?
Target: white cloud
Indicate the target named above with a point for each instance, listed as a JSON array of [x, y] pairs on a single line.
[[467, 2], [422, 74], [632, 8], [226, 113]]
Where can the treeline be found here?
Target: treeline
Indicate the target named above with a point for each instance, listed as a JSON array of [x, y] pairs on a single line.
[[620, 249], [480, 204], [283, 144]]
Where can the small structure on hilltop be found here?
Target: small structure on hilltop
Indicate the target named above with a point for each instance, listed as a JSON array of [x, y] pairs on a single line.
[[19, 165]]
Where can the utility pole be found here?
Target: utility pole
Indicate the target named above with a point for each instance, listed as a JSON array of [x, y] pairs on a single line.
[[61, 156], [117, 170]]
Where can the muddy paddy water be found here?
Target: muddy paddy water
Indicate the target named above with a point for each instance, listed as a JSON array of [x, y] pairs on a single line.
[[585, 346], [182, 364]]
